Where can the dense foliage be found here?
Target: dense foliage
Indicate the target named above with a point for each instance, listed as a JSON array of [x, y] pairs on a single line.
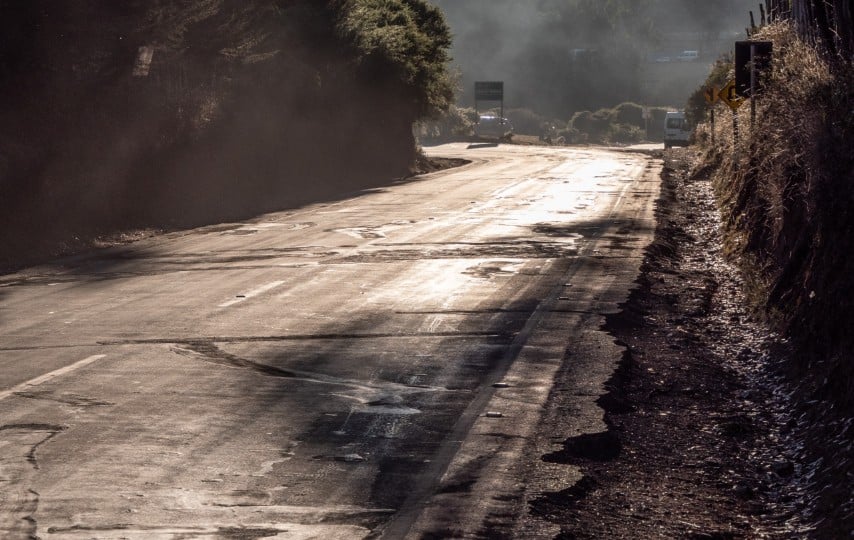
[[408, 38], [175, 112]]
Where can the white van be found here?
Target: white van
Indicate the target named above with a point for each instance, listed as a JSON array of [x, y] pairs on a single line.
[[688, 56], [676, 131]]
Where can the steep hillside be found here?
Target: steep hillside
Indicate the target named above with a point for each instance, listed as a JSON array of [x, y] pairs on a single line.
[[784, 186], [177, 112]]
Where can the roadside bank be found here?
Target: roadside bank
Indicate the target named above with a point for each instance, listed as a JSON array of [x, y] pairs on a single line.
[[700, 443]]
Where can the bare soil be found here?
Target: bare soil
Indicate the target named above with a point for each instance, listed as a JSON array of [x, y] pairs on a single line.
[[697, 439]]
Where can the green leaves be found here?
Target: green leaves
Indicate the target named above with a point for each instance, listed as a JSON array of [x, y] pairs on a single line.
[[407, 40]]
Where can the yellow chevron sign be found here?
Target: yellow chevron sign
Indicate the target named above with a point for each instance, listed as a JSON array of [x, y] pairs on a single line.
[[729, 96], [711, 94]]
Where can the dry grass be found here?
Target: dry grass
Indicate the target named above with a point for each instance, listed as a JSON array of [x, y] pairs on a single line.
[[785, 191], [770, 174], [784, 187]]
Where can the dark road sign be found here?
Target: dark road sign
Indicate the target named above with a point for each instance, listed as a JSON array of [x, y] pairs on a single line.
[[755, 53], [489, 90]]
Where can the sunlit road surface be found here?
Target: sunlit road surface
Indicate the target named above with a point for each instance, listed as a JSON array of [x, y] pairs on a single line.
[[375, 365]]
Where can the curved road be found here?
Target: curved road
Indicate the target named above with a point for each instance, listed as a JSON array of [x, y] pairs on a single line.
[[376, 366]]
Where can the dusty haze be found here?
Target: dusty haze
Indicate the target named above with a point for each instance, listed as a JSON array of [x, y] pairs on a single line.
[[558, 57]]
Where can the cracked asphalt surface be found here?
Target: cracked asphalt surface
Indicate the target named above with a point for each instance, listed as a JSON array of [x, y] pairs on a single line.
[[372, 367]]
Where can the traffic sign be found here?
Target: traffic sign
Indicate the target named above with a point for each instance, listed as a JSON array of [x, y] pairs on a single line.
[[711, 94], [489, 90], [729, 96], [752, 63]]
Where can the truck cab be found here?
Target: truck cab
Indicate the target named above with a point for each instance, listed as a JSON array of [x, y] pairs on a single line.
[[676, 130], [493, 127]]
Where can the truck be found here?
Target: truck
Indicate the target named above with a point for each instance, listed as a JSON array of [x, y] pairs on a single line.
[[676, 130], [493, 127]]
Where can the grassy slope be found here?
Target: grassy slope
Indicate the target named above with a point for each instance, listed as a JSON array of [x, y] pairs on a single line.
[[787, 203]]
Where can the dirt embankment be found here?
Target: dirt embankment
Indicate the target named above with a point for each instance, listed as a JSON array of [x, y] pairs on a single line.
[[706, 440]]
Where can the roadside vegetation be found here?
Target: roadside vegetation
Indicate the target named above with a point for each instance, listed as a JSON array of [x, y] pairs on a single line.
[[622, 124], [127, 115], [785, 194]]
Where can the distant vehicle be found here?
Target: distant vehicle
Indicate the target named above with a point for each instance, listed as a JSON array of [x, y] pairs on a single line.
[[676, 131], [662, 59], [493, 127], [688, 56]]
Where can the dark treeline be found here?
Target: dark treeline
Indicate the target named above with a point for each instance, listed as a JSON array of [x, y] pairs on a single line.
[[176, 112], [829, 23]]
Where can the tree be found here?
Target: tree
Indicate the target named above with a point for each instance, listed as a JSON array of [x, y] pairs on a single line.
[[405, 40]]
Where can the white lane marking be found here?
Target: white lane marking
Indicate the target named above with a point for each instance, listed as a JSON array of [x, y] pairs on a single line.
[[254, 292], [52, 375]]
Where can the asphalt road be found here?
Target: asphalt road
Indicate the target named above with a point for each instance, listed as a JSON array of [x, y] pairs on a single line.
[[378, 365]]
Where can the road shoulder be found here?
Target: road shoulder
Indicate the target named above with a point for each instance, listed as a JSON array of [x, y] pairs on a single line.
[[691, 448]]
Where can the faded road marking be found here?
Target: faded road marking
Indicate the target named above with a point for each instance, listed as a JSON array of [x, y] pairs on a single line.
[[52, 375], [254, 292]]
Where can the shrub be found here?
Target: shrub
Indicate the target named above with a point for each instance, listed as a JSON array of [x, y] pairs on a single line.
[[605, 125], [624, 133], [630, 114], [784, 188], [596, 125], [454, 124], [526, 121]]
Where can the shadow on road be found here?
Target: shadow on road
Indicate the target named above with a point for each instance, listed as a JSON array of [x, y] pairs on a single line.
[[475, 146]]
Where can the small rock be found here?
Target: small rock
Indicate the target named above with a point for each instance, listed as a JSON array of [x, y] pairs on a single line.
[[783, 468]]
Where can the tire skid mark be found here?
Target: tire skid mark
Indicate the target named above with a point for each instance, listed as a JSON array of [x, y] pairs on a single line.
[[65, 398], [384, 396], [498, 335]]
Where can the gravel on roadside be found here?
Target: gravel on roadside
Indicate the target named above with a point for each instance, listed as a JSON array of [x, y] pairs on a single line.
[[696, 446]]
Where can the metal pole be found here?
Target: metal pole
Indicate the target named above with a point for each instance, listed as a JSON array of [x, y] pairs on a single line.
[[752, 86], [713, 125], [735, 139]]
